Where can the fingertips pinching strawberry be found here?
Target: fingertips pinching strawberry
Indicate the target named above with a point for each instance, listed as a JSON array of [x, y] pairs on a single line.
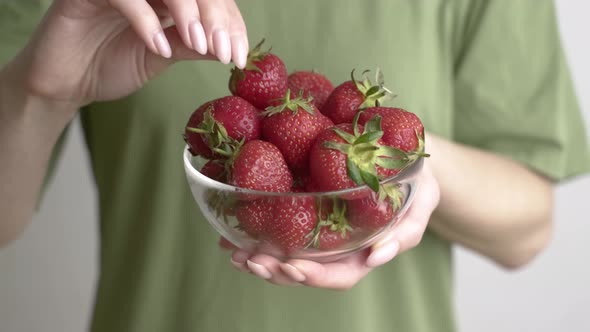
[[298, 168]]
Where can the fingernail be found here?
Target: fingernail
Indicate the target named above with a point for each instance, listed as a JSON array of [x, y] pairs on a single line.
[[162, 44], [221, 45], [198, 38], [383, 254], [240, 266], [259, 270], [240, 53], [292, 272]]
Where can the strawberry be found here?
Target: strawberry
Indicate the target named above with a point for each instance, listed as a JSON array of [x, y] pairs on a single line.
[[298, 188], [194, 140], [216, 126], [327, 166], [350, 96], [215, 170], [259, 165], [401, 129], [374, 212], [329, 239], [293, 127], [312, 84], [348, 155], [294, 218], [333, 229], [302, 183], [310, 187], [254, 217], [263, 80]]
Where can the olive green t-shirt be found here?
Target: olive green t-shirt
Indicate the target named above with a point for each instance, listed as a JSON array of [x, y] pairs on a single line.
[[490, 74]]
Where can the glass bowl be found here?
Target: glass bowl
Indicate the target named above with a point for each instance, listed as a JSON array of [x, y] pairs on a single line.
[[318, 226]]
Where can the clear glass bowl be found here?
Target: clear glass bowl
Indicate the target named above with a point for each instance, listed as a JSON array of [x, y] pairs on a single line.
[[224, 206]]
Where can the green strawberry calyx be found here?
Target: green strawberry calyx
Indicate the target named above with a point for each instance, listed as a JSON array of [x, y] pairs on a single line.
[[392, 192], [419, 151], [215, 135], [254, 55], [375, 94], [364, 152], [217, 139], [293, 105], [336, 221], [221, 203]]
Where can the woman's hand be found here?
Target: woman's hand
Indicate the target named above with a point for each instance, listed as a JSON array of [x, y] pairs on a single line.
[[345, 273], [93, 50]]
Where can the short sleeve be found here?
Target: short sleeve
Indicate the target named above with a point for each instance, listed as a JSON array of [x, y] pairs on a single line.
[[514, 93], [18, 20]]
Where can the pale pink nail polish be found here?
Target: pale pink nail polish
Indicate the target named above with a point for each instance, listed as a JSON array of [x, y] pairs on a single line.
[[292, 272], [240, 266], [259, 270], [239, 51], [198, 38], [162, 45], [222, 46], [383, 255]]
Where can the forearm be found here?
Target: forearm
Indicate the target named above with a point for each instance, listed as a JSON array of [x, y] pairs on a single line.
[[29, 129], [490, 204]]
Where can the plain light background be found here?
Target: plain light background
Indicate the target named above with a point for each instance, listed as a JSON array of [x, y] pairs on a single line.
[[47, 276]]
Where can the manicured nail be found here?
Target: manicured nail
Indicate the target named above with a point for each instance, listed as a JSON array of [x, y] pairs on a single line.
[[162, 45], [240, 266], [259, 270], [383, 255], [221, 45], [198, 39], [240, 53], [292, 272]]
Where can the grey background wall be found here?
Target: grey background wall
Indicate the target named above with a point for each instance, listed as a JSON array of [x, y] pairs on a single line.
[[47, 276]]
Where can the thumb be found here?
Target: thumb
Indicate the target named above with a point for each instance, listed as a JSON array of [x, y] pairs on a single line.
[[156, 64]]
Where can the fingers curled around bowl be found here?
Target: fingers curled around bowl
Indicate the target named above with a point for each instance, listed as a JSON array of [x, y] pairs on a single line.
[[409, 231], [268, 268], [343, 274]]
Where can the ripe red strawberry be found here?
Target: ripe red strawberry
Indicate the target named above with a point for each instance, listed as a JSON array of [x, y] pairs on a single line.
[[401, 129], [294, 218], [301, 183], [297, 188], [194, 140], [350, 155], [369, 214], [327, 166], [332, 229], [215, 170], [331, 239], [312, 84], [219, 123], [310, 187], [372, 212], [254, 217], [293, 127], [263, 80], [259, 165], [350, 96]]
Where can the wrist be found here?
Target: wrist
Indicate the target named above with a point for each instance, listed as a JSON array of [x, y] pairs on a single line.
[[433, 145], [17, 98], [438, 148]]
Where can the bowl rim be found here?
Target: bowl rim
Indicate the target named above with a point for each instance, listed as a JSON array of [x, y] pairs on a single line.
[[410, 171]]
